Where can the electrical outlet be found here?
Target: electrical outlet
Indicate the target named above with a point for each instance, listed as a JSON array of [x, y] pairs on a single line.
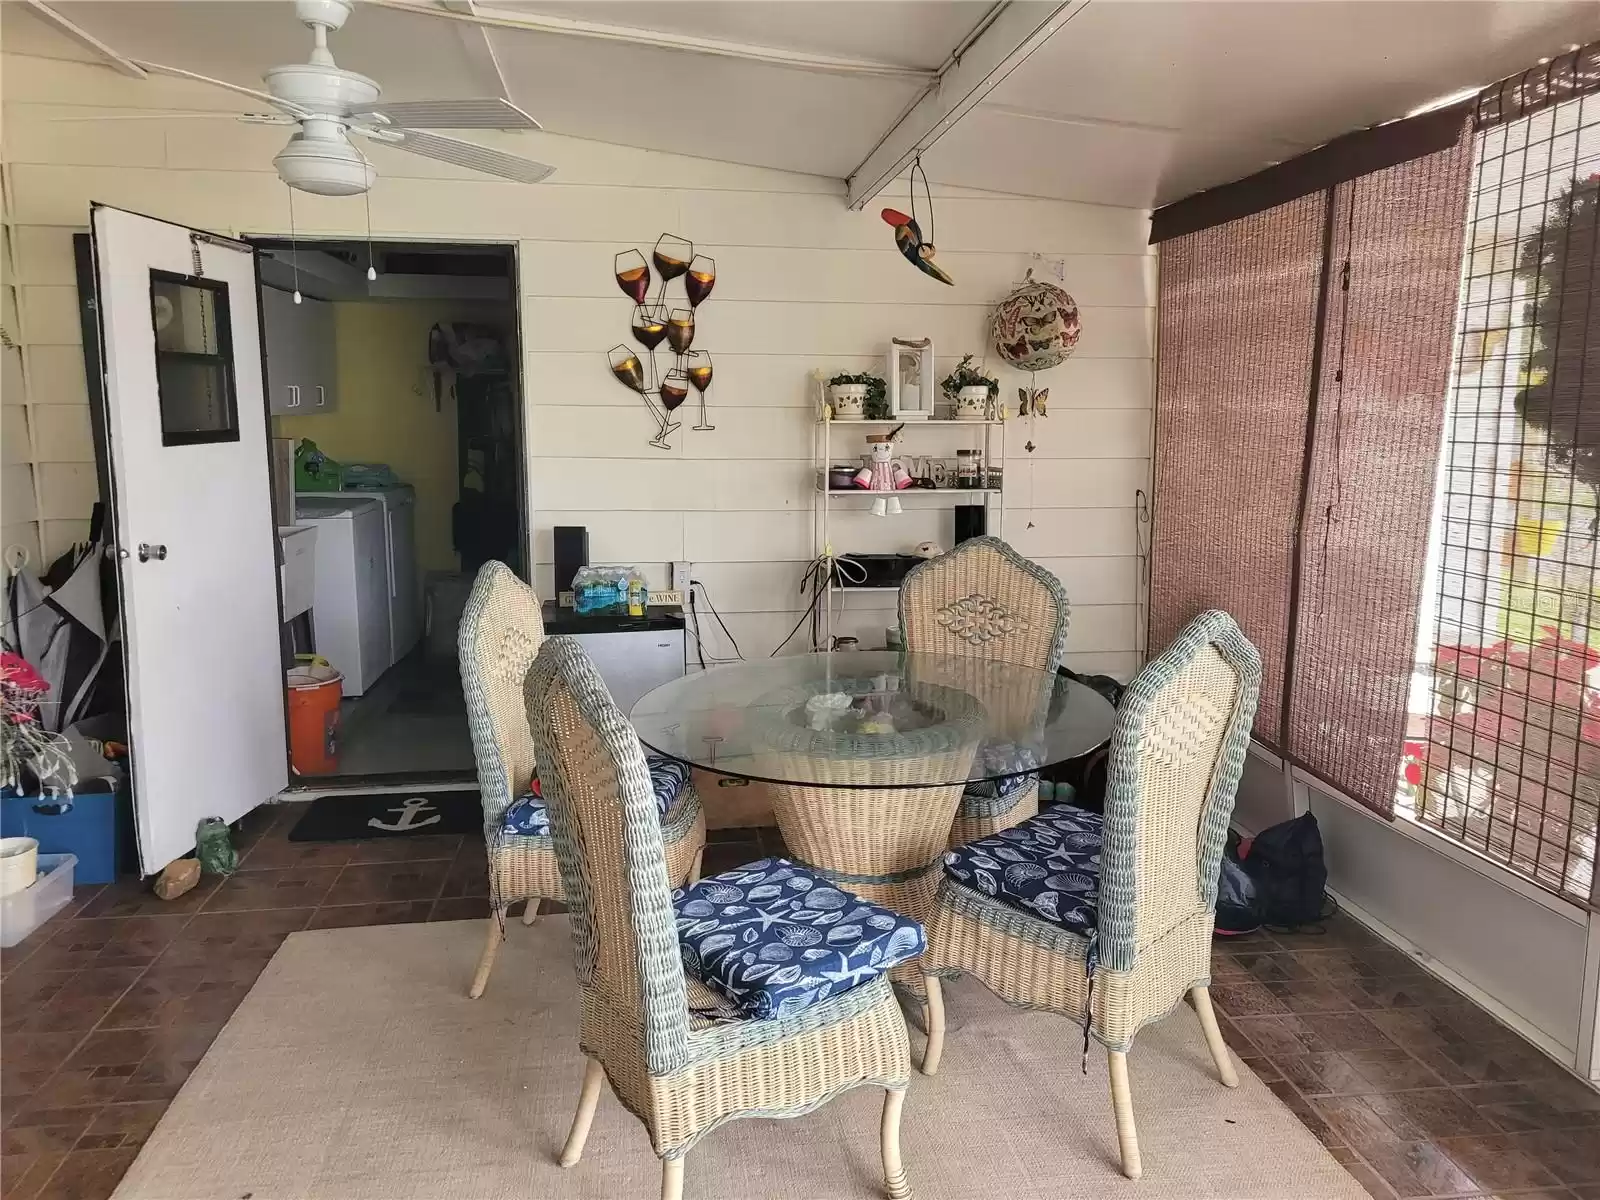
[[669, 596], [680, 577]]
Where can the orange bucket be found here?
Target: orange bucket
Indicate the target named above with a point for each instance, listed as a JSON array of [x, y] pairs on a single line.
[[315, 690]]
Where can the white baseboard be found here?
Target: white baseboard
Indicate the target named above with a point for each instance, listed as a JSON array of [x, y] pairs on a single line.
[[1564, 1056]]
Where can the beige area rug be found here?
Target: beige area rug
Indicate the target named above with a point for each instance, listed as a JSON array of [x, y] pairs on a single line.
[[357, 1069]]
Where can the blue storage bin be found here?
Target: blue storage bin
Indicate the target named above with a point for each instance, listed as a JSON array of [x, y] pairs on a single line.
[[93, 828]]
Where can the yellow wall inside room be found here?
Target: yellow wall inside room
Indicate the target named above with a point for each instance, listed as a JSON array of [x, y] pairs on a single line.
[[386, 408]]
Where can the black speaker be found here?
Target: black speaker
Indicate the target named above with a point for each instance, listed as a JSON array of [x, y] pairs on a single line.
[[571, 553], [971, 521]]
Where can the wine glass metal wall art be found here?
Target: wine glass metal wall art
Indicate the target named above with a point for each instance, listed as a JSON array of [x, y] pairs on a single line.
[[655, 321], [700, 375]]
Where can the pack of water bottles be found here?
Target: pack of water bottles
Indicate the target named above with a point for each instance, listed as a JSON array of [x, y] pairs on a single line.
[[609, 591]]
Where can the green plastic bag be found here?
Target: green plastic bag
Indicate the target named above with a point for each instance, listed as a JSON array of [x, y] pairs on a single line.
[[214, 847]]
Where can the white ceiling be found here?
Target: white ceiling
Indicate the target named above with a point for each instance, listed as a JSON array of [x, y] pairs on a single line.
[[1133, 102]]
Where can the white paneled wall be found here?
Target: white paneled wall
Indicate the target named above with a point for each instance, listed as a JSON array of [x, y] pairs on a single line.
[[802, 283]]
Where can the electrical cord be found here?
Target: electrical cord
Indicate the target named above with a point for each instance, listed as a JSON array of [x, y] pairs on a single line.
[[819, 573], [695, 616]]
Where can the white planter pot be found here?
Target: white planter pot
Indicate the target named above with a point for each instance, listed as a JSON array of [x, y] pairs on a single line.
[[972, 403], [849, 401]]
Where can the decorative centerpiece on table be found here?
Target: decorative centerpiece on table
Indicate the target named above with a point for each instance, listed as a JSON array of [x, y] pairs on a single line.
[[974, 392]]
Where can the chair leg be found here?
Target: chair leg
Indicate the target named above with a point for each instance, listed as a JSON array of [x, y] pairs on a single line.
[[491, 947], [695, 867], [935, 1014], [530, 913], [1219, 1048], [894, 1174], [672, 1179], [1122, 1109], [588, 1099]]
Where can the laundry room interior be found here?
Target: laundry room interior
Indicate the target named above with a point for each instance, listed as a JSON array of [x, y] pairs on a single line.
[[396, 424]]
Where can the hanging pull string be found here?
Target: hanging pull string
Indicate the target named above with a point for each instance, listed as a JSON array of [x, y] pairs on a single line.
[[294, 247], [366, 197], [1335, 506]]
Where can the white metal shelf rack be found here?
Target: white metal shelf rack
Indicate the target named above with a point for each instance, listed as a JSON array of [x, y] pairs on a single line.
[[992, 443]]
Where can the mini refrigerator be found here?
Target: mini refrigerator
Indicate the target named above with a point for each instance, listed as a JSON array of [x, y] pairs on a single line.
[[350, 605]]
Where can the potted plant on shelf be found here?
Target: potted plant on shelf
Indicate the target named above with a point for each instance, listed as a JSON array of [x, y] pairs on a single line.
[[972, 390], [858, 397]]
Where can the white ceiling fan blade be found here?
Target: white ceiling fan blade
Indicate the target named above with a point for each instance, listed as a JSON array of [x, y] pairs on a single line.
[[249, 118], [468, 154], [253, 93], [488, 112]]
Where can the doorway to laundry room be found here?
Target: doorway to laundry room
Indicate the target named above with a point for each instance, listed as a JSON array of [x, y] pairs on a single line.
[[394, 395]]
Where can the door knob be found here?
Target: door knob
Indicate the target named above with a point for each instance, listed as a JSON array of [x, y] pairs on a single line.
[[147, 552]]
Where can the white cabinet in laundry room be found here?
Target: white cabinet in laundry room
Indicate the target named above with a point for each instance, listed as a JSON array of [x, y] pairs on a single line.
[[301, 357]]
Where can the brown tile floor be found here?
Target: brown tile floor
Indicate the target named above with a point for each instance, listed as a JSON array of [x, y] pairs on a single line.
[[104, 1012]]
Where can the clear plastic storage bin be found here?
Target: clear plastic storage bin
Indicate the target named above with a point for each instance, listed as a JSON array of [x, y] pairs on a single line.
[[23, 912]]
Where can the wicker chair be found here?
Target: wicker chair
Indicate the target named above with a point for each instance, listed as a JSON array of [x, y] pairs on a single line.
[[677, 1056], [1176, 755], [984, 600], [500, 633]]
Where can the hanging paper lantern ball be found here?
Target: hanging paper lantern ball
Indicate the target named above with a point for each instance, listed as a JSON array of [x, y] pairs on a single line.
[[1036, 327]]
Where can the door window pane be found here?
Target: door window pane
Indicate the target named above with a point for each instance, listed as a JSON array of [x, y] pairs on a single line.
[[194, 359]]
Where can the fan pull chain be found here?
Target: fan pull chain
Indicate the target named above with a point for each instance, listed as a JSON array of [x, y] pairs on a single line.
[[366, 196], [372, 271], [294, 248]]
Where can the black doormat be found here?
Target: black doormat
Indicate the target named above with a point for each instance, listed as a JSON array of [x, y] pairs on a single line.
[[389, 815]]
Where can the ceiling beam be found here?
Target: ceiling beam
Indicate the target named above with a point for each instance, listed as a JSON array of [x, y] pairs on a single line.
[[124, 66], [533, 22], [1011, 35], [479, 46]]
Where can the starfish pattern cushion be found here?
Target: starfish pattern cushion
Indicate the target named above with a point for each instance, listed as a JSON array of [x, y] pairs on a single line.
[[1048, 867], [775, 938], [529, 817]]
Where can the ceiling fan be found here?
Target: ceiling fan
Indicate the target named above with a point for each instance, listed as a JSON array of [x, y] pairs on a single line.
[[329, 104]]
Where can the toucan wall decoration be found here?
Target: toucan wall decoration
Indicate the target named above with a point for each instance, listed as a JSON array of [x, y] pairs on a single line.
[[908, 233]]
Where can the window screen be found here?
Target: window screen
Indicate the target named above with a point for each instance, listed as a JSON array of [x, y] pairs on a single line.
[[194, 359], [1503, 752]]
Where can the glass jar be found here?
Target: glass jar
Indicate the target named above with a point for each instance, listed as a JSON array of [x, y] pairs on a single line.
[[994, 476], [968, 468]]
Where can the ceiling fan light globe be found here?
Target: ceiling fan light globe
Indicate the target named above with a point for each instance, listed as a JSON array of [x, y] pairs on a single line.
[[324, 167]]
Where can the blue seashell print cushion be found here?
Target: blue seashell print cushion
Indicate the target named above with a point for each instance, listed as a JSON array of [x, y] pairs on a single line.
[[1048, 867], [529, 817], [775, 938], [1004, 756]]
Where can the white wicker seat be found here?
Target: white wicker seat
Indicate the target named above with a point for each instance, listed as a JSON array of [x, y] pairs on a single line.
[[500, 634], [674, 1054], [984, 600], [1176, 756]]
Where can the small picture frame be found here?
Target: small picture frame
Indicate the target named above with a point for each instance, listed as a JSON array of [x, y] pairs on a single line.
[[911, 378]]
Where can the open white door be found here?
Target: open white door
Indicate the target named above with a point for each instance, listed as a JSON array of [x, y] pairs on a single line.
[[186, 428]]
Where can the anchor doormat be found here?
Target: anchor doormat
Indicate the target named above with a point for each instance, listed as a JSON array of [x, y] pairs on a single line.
[[389, 815]]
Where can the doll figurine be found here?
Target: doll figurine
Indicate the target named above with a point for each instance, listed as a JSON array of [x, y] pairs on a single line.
[[886, 474]]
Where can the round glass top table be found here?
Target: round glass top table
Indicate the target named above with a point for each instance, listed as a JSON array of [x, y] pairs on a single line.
[[866, 755]]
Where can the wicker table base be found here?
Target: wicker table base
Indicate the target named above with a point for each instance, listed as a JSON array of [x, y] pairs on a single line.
[[885, 845]]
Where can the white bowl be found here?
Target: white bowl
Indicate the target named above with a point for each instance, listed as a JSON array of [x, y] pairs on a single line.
[[19, 864]]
